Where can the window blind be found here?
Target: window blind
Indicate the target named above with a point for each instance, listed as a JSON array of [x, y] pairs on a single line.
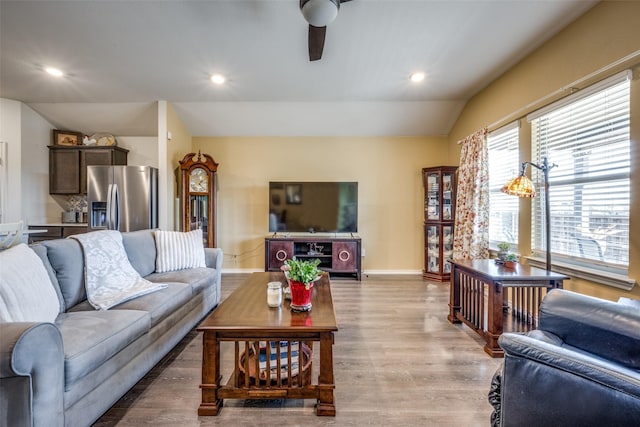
[[503, 166], [587, 137]]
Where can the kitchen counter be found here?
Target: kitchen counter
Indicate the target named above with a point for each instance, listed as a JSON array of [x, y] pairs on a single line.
[[56, 230]]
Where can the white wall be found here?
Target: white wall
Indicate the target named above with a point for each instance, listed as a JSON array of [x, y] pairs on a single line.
[[143, 150], [37, 205], [165, 207], [10, 132], [4, 176]]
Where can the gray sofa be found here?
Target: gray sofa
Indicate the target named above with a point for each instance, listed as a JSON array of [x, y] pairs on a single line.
[[71, 372]]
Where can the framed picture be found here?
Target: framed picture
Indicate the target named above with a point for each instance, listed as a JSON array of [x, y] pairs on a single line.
[[293, 193], [64, 137]]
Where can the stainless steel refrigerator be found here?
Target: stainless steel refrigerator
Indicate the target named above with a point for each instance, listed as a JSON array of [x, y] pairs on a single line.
[[122, 198]]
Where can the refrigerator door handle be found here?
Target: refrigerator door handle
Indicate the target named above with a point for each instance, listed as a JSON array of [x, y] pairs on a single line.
[[109, 206], [115, 206]]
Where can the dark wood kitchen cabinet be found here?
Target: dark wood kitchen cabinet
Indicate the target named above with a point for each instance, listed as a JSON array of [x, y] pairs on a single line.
[[68, 165]]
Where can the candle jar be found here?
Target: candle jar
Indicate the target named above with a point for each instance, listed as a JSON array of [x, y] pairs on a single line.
[[274, 294]]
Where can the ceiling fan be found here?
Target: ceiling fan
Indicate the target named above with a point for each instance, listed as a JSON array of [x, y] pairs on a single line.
[[319, 13]]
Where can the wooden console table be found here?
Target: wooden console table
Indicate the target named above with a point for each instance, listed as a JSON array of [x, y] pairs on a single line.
[[246, 320], [492, 299], [339, 256]]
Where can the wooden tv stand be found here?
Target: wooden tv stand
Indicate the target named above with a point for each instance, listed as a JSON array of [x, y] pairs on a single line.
[[340, 256]]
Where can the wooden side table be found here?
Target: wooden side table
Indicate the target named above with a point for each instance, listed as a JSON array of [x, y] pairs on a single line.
[[491, 298]]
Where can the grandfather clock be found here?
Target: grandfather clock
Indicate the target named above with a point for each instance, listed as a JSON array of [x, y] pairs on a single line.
[[198, 173]]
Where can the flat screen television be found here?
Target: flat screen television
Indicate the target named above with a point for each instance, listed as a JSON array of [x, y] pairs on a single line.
[[313, 207]]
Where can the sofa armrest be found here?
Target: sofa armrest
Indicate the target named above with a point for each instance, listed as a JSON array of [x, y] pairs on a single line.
[[33, 351], [213, 258], [546, 384], [573, 361], [597, 326]]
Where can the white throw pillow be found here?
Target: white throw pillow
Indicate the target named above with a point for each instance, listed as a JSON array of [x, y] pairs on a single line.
[[109, 277], [178, 250], [26, 292]]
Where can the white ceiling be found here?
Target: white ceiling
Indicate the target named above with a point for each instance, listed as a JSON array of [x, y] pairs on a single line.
[[122, 56]]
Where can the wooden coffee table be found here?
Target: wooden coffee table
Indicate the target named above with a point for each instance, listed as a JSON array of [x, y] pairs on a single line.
[[245, 319]]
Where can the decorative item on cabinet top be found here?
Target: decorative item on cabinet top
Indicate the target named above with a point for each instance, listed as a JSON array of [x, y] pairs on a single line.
[[100, 139], [66, 137]]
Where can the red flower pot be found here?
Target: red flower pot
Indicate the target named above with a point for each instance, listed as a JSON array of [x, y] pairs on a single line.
[[300, 295], [510, 264]]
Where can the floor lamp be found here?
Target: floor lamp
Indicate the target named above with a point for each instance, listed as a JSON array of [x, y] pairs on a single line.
[[522, 186]]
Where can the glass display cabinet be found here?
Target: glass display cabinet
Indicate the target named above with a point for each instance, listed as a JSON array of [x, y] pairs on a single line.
[[198, 176], [439, 209]]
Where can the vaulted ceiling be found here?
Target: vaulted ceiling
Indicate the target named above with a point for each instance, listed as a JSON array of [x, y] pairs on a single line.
[[120, 57]]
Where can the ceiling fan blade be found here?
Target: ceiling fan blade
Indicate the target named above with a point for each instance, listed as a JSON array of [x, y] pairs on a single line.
[[316, 42]]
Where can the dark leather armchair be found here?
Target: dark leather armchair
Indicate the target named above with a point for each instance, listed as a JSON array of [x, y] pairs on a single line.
[[581, 367]]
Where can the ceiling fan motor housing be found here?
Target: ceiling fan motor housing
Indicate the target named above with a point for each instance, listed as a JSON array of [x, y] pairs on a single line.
[[319, 13]]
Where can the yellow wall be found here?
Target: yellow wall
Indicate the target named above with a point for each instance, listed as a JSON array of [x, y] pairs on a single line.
[[390, 195], [177, 148], [606, 34]]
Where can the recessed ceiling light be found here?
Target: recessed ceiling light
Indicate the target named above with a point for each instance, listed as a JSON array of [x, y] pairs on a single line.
[[218, 79], [417, 77], [54, 71]]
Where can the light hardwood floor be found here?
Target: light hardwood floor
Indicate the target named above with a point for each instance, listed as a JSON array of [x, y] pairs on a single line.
[[398, 361]]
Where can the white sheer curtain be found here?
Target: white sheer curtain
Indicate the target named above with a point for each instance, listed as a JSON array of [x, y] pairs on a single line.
[[471, 233]]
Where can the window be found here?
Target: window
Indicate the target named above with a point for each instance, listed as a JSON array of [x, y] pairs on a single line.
[[503, 166], [587, 136]]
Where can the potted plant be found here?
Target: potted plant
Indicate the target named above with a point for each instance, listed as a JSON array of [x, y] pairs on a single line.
[[503, 249], [511, 260], [301, 274]]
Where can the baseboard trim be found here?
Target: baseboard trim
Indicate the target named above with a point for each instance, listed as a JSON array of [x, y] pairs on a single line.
[[391, 272], [241, 270]]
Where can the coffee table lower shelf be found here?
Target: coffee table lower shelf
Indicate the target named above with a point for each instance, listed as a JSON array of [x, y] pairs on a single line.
[[230, 392], [240, 387]]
